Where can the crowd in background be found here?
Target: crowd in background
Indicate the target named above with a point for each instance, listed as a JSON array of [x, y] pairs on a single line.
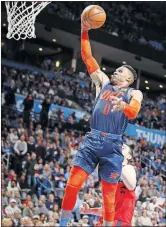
[[34, 180], [152, 114], [58, 90], [70, 93], [132, 21], [41, 153]]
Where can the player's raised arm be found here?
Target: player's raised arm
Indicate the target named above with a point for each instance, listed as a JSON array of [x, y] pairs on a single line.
[[98, 77]]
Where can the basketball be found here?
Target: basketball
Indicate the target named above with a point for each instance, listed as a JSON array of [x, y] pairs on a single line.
[[93, 16]]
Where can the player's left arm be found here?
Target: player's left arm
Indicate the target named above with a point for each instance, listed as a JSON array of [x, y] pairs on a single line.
[[129, 177], [99, 78], [85, 209], [132, 109]]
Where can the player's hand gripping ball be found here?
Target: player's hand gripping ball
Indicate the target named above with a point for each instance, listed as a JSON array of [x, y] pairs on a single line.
[[93, 17]]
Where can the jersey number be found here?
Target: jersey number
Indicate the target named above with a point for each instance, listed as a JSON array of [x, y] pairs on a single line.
[[106, 109]]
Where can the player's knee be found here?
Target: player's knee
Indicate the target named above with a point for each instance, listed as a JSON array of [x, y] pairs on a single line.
[[72, 189], [75, 180], [77, 177]]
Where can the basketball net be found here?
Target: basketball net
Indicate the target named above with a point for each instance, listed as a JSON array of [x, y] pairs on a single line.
[[21, 18]]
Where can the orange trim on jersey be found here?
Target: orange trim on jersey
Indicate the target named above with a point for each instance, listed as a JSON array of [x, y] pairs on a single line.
[[86, 53], [131, 110]]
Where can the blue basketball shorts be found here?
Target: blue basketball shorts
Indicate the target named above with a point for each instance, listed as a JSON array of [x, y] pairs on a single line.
[[103, 149]]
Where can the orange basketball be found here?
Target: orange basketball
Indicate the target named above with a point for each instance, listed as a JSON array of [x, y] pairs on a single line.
[[93, 16]]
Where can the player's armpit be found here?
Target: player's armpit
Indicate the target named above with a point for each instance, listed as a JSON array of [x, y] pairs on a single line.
[[99, 78], [86, 53]]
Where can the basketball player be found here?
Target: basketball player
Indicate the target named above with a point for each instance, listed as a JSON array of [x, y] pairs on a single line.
[[116, 103], [125, 194]]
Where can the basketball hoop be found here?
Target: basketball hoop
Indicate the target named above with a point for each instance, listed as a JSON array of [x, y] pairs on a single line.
[[21, 18]]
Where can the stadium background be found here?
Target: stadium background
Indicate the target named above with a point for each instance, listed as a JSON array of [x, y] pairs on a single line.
[[50, 68]]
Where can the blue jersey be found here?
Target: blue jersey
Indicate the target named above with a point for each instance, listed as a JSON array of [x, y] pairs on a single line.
[[102, 118]]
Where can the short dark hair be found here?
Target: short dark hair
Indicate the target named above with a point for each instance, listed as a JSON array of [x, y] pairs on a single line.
[[13, 181], [132, 70]]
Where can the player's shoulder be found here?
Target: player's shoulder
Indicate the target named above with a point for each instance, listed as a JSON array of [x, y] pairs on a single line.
[[135, 91], [136, 94]]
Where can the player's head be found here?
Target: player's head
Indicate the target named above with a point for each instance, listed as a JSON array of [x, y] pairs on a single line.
[[127, 153], [124, 76]]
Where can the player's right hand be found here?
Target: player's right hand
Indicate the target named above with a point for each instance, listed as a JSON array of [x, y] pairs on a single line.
[[84, 208], [84, 27]]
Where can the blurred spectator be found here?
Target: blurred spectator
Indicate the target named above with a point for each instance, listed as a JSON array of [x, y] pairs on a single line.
[[40, 208], [13, 137], [28, 105], [44, 112], [145, 220], [10, 97], [20, 149], [30, 164], [7, 222], [11, 208], [29, 210], [13, 186], [50, 203], [31, 144]]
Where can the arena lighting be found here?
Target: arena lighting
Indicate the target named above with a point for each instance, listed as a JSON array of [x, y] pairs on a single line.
[[104, 68], [165, 75], [4, 25], [147, 88], [54, 40], [40, 49], [57, 64], [161, 86], [146, 82], [124, 62]]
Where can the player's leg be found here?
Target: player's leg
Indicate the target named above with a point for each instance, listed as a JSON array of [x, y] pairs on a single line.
[[84, 164], [108, 193], [110, 167], [77, 177]]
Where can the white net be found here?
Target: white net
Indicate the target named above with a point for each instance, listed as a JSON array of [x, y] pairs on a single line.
[[21, 18]]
